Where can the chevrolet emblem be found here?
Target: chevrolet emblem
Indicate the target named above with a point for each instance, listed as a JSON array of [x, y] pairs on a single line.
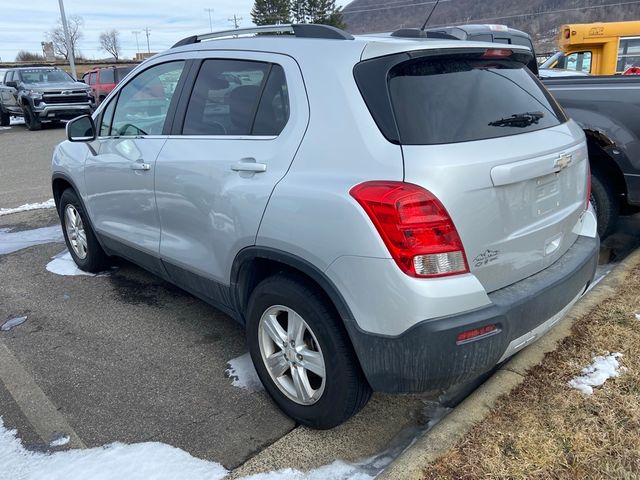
[[563, 162]]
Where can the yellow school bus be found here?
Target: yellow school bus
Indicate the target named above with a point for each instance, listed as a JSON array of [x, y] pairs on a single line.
[[600, 48]]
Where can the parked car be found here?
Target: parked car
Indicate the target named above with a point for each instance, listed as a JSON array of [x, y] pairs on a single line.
[[103, 80], [400, 222], [42, 94]]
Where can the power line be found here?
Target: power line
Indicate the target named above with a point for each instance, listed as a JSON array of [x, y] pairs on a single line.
[[392, 7], [136, 33], [535, 14]]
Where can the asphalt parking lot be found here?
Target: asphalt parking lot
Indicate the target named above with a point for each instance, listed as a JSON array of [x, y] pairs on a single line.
[[128, 357]]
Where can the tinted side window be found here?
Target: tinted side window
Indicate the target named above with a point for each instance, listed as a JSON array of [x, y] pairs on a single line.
[[225, 97], [106, 75], [92, 78], [273, 111], [8, 77], [122, 72], [143, 103]]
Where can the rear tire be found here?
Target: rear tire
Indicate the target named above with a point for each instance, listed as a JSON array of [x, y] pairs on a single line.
[[5, 118], [606, 204], [79, 236], [31, 120], [322, 402]]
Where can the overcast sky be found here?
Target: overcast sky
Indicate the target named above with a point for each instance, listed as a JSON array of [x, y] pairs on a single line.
[[23, 24]]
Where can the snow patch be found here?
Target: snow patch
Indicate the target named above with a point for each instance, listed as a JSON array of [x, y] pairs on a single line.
[[337, 470], [243, 374], [63, 264], [13, 322], [28, 206], [637, 316], [60, 440], [13, 241], [602, 368], [141, 461]]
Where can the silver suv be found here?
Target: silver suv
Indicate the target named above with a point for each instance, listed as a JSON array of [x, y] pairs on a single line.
[[381, 213]]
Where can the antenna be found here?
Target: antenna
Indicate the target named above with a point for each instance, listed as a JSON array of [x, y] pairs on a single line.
[[424, 25]]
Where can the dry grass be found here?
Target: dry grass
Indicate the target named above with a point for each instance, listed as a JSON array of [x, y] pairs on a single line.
[[544, 429]]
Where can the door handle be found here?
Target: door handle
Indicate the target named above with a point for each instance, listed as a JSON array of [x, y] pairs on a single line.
[[140, 166], [249, 165]]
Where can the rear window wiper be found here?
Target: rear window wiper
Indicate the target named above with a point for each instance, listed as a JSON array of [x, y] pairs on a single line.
[[520, 120]]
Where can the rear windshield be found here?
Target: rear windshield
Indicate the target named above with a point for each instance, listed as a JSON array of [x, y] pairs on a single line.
[[438, 100], [122, 72]]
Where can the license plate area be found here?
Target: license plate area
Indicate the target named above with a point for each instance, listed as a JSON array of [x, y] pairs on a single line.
[[546, 194]]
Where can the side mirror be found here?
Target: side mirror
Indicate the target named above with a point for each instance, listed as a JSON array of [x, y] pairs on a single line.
[[81, 129], [12, 83]]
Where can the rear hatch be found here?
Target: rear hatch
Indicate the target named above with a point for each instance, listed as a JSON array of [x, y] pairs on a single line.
[[483, 135]]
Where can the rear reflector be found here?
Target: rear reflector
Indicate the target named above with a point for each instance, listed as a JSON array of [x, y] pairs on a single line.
[[497, 53], [475, 333], [415, 227]]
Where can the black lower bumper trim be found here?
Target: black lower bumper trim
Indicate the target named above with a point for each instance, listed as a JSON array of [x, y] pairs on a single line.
[[427, 358]]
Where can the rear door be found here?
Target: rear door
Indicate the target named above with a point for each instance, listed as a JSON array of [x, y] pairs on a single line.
[[485, 137], [241, 126]]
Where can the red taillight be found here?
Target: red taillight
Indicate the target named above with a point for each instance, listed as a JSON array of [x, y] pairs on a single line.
[[632, 71], [475, 333], [414, 226], [586, 206], [567, 33], [497, 53]]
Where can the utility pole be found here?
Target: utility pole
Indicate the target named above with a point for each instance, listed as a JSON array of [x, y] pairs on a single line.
[[235, 20], [147, 33], [210, 24], [72, 60], [136, 33]]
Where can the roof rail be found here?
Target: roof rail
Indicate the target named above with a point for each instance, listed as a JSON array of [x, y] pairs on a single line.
[[418, 33], [303, 30]]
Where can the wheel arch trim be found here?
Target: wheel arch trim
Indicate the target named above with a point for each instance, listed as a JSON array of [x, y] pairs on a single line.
[[246, 256]]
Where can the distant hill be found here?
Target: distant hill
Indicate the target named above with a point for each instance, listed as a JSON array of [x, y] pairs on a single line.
[[540, 18]]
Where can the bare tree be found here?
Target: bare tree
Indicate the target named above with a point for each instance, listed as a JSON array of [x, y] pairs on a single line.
[[56, 36], [110, 42]]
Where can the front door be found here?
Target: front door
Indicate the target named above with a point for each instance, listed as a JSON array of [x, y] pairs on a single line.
[[235, 139], [119, 177]]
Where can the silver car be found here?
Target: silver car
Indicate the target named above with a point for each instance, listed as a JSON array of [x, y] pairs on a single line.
[[381, 214]]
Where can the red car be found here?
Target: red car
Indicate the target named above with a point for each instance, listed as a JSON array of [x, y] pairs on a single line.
[[103, 80]]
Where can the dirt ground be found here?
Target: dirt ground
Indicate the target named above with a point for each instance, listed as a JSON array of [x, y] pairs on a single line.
[[545, 429]]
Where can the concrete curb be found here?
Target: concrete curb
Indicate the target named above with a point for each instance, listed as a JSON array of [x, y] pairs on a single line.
[[477, 406]]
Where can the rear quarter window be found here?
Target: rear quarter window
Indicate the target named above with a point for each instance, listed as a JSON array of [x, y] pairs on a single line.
[[449, 100]]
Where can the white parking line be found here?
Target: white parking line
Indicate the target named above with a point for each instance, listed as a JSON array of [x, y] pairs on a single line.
[[34, 404]]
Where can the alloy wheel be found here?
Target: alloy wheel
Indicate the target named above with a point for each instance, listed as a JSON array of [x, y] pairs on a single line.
[[292, 355], [75, 231]]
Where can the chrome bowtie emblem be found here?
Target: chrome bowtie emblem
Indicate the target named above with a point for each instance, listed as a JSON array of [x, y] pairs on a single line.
[[563, 162]]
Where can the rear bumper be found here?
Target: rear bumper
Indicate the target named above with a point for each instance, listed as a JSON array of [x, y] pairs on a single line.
[[427, 358]]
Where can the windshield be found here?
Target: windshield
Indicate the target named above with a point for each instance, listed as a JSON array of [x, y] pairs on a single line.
[[445, 100], [44, 76]]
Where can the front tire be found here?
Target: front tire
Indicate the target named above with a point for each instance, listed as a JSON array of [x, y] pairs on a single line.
[[31, 120], [605, 203], [302, 353], [5, 118], [79, 236]]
